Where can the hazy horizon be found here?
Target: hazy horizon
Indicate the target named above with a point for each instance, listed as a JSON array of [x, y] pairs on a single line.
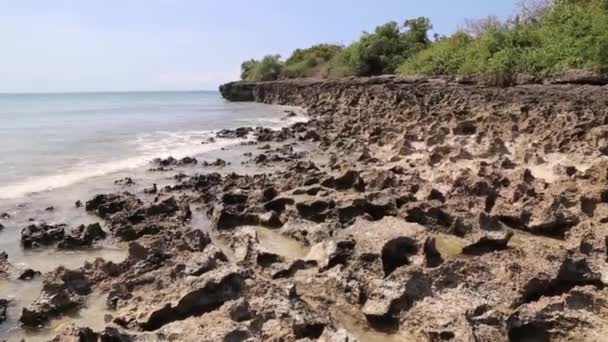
[[68, 46], [84, 92]]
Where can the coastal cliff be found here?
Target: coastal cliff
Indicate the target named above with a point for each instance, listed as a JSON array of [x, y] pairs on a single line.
[[544, 110]]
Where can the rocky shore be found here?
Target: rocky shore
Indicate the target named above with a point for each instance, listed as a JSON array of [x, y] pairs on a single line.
[[430, 210]]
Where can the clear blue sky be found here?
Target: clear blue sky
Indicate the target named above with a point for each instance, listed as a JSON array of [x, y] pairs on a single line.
[[87, 45]]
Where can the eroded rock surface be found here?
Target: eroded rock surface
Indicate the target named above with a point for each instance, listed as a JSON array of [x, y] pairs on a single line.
[[440, 212]]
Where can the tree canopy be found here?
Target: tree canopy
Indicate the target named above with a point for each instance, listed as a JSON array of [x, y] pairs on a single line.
[[546, 37]]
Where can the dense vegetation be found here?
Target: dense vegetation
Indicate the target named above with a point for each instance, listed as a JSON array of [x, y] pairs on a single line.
[[546, 37]]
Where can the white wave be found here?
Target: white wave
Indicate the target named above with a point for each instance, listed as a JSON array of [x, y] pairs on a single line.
[[149, 146], [160, 144], [274, 123]]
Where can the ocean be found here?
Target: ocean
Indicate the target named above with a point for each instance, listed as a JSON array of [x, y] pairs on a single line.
[[49, 141]]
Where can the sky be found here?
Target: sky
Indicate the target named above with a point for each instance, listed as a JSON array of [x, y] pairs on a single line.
[[126, 45]]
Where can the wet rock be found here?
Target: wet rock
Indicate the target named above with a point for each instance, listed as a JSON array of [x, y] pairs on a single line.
[[240, 132], [396, 253], [349, 180], [169, 161], [201, 295], [42, 234], [225, 218], [554, 318], [106, 205], [51, 208], [5, 266], [311, 136], [431, 253], [266, 259], [197, 240], [83, 236], [293, 268], [270, 219], [436, 195], [62, 290], [260, 159], [553, 223], [167, 206], [269, 194], [151, 190], [366, 157], [278, 205], [405, 148], [308, 329], [127, 181], [71, 333], [3, 306], [240, 310], [5, 216], [487, 242], [179, 176], [232, 198], [379, 180], [29, 274], [217, 163], [465, 127], [304, 166], [508, 164], [211, 259], [394, 295], [574, 271], [439, 154], [187, 161], [245, 245], [78, 204], [315, 210], [339, 335], [372, 238], [329, 254], [266, 134], [117, 293]]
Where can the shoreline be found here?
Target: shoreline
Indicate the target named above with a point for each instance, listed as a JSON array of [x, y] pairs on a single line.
[[402, 211], [28, 209]]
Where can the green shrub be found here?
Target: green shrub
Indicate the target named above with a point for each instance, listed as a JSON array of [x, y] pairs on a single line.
[[344, 63], [246, 68], [574, 34], [494, 55], [311, 62], [571, 34], [383, 50], [268, 69], [446, 56], [547, 37]]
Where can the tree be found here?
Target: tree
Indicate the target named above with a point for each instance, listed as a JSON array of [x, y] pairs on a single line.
[[477, 27], [311, 62], [268, 69], [382, 51], [416, 33], [246, 68], [532, 10]]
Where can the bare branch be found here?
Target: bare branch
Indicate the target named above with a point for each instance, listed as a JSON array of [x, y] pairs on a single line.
[[476, 27], [531, 10]]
